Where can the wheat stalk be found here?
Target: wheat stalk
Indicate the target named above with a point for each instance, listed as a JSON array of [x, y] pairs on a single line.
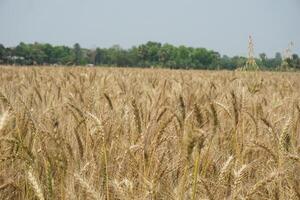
[[3, 119], [35, 184]]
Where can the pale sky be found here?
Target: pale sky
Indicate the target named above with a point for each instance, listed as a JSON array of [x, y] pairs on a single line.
[[221, 25]]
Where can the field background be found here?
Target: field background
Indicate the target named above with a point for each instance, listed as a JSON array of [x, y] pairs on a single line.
[[116, 133]]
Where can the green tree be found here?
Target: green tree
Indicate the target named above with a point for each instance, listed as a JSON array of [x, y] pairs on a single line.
[[23, 51], [77, 54], [183, 57], [295, 61], [239, 61], [99, 57], [49, 54], [61, 55], [2, 53], [167, 56], [37, 53], [278, 59], [148, 53], [133, 57], [202, 58], [117, 56], [262, 60]]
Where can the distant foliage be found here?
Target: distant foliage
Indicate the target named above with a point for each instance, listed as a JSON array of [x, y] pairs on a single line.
[[151, 54]]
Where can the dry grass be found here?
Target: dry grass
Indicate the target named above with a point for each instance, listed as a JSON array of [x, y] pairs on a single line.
[[77, 133]]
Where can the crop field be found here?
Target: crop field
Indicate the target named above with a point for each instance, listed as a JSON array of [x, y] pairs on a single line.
[[118, 133]]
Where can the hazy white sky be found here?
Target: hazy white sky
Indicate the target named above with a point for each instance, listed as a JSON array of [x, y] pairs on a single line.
[[222, 25]]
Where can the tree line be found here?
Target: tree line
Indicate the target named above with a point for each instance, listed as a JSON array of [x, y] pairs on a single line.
[[151, 54]]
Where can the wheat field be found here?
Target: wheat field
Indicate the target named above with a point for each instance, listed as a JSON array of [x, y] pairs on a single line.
[[115, 133]]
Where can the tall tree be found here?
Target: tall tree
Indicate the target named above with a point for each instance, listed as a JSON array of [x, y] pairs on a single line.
[[98, 56], [2, 53], [263, 59], [263, 56], [77, 54], [278, 57]]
